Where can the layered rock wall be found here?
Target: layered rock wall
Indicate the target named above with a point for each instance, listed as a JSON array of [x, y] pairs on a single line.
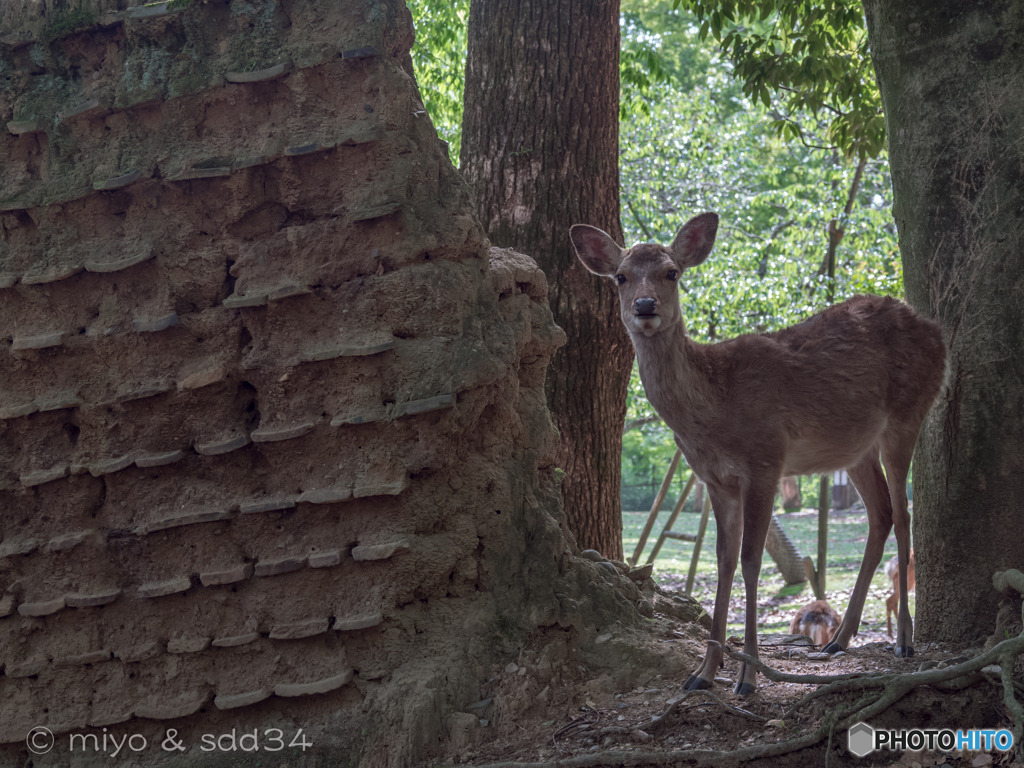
[[272, 422]]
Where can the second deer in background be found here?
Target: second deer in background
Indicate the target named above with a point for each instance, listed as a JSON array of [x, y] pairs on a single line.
[[892, 573], [817, 620]]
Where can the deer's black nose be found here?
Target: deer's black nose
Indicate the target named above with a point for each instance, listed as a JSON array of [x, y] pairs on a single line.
[[644, 306]]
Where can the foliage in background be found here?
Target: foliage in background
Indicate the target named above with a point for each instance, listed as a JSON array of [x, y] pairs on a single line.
[[439, 58], [809, 55], [766, 132]]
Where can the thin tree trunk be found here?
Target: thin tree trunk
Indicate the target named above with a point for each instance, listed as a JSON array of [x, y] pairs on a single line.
[[540, 150], [952, 81]]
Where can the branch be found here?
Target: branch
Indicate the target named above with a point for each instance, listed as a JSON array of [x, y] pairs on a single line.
[[639, 422], [779, 228], [836, 232], [639, 221], [829, 107]]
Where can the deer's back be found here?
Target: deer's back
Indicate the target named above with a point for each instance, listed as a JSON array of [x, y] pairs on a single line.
[[871, 338], [867, 349], [822, 391]]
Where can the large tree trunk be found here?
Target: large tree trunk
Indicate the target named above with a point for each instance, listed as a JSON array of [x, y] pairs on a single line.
[[952, 82], [540, 149]]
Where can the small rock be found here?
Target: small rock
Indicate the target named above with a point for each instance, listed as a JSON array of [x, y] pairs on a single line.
[[511, 668], [300, 629], [592, 555], [775, 724], [982, 760], [42, 608], [319, 686], [246, 699], [360, 621], [642, 573], [363, 552], [462, 729], [639, 736], [275, 567], [187, 644], [325, 559]]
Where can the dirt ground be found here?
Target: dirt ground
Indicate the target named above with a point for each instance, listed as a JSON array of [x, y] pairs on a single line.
[[583, 725]]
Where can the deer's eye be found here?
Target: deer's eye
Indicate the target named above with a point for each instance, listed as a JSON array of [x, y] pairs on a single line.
[[620, 279], [672, 274]]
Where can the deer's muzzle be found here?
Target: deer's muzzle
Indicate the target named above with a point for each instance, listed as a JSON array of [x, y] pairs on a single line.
[[645, 307]]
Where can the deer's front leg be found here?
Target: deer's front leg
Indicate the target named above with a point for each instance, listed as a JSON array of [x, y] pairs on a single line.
[[757, 517], [729, 522]]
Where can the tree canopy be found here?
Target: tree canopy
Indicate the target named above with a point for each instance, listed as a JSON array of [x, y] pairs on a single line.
[[809, 56]]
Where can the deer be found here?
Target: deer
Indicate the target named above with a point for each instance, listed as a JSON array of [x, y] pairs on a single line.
[[892, 573], [848, 388], [817, 620]]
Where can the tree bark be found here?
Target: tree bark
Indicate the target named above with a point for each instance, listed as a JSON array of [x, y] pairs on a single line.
[[952, 81], [540, 150]]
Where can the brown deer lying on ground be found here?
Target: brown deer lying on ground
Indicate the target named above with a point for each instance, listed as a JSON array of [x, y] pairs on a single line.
[[836, 391], [817, 620], [892, 573]]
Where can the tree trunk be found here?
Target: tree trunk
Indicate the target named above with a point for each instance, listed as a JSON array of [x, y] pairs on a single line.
[[540, 150], [952, 81]]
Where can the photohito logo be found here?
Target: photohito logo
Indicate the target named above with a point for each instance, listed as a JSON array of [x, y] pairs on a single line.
[[862, 739], [39, 740]]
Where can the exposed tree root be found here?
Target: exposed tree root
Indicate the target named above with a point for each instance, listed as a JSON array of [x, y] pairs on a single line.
[[675, 706], [879, 693]]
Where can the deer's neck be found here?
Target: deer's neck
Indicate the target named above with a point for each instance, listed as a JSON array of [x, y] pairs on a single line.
[[675, 373]]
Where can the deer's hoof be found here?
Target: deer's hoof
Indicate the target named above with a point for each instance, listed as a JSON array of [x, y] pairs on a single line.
[[744, 689], [904, 651], [696, 684], [833, 647]]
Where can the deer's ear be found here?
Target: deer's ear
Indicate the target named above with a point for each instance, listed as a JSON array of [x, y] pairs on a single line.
[[596, 249], [693, 243]]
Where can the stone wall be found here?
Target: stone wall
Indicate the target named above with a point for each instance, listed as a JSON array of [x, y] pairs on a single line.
[[272, 425]]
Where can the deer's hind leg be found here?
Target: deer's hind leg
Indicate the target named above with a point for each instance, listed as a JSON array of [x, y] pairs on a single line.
[[870, 482], [897, 451]]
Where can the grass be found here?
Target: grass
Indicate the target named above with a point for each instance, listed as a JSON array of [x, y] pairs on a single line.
[[847, 534]]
